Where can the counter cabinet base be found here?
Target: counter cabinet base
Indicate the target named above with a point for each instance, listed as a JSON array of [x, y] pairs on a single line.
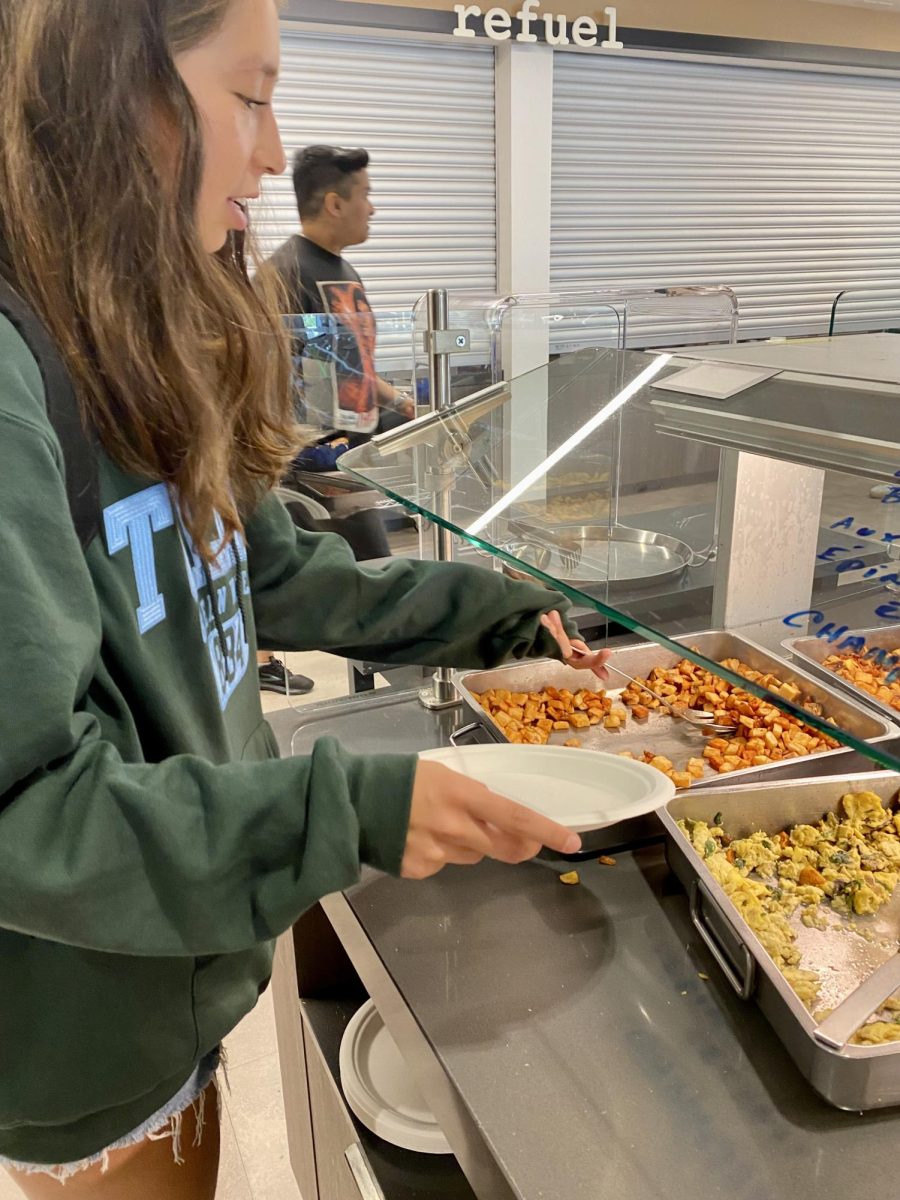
[[316, 991]]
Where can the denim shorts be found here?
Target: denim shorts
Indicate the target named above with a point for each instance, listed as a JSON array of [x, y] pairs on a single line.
[[164, 1123]]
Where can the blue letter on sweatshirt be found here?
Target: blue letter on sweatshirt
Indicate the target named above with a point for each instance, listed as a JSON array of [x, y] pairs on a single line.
[[133, 521]]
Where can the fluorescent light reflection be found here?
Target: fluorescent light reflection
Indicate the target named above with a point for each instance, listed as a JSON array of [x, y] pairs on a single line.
[[576, 439]]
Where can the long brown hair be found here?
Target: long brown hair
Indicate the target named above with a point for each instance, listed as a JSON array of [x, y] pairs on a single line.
[[181, 365]]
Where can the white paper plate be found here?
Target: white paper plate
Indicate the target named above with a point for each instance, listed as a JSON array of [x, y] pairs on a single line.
[[581, 789], [380, 1090]]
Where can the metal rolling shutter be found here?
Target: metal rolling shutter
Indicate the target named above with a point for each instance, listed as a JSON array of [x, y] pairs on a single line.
[[425, 113], [784, 184]]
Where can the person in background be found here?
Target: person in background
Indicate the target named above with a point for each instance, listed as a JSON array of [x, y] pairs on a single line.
[[152, 842], [333, 201]]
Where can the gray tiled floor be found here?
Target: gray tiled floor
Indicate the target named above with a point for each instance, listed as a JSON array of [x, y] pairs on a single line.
[[254, 1142], [8, 1190], [328, 672]]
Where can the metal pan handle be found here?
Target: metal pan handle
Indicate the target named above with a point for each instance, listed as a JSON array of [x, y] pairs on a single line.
[[699, 558], [465, 735], [743, 987]]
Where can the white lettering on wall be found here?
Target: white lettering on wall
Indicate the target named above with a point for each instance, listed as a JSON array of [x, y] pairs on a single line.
[[584, 31], [498, 26], [611, 42], [463, 12], [525, 16], [559, 37]]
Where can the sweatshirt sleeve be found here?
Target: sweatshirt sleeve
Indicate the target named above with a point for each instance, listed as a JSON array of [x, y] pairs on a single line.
[[310, 594], [182, 857]]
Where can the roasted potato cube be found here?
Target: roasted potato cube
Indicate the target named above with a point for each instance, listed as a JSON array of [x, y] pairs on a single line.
[[810, 877]]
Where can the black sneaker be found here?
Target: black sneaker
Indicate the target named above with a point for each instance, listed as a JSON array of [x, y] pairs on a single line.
[[274, 677]]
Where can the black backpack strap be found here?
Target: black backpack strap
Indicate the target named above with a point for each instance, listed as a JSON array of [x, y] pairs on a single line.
[[80, 452]]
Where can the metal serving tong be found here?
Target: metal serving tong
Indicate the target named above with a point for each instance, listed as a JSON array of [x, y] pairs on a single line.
[[701, 720]]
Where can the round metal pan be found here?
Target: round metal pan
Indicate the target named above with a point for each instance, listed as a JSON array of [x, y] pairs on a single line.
[[602, 561]]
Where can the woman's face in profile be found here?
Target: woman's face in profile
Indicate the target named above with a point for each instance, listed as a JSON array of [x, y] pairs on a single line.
[[231, 77]]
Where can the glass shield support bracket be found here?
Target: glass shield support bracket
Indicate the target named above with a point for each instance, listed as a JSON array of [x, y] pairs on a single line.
[[441, 343]]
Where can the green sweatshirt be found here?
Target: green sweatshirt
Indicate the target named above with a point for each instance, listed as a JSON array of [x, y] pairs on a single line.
[[151, 842]]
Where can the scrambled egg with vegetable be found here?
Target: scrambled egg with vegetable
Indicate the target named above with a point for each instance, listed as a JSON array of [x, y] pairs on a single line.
[[885, 1028], [849, 861]]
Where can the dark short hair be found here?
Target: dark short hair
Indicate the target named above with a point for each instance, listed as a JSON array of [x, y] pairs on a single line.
[[319, 170]]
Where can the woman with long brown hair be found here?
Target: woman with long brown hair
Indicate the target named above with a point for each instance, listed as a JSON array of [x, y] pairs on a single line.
[[151, 843]]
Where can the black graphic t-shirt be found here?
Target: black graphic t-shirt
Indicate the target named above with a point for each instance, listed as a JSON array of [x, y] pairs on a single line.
[[318, 281]]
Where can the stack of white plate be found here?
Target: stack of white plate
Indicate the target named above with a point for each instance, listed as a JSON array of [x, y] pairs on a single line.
[[380, 1090]]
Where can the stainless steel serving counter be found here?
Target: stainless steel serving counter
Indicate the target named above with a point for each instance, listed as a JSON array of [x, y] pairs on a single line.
[[586, 1050], [566, 1037], [831, 404]]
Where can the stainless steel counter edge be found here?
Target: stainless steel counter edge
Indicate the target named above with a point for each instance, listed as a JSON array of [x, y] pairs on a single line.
[[481, 1169]]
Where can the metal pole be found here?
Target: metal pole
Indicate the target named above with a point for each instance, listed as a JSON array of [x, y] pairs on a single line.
[[439, 389], [442, 693], [438, 360]]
